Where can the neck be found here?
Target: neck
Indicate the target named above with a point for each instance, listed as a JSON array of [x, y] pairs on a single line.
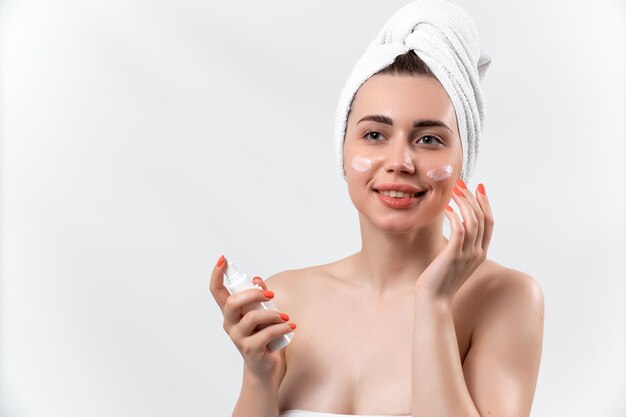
[[391, 262]]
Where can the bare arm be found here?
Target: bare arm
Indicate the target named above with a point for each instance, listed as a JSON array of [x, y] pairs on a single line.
[[500, 371], [502, 366], [438, 386], [251, 330], [257, 398]]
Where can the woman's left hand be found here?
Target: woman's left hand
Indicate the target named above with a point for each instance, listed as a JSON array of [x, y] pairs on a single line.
[[466, 249]]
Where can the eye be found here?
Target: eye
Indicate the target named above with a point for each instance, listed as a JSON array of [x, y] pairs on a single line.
[[431, 142], [372, 132], [374, 136]]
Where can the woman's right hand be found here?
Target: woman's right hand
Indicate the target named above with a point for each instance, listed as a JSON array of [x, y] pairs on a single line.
[[250, 329]]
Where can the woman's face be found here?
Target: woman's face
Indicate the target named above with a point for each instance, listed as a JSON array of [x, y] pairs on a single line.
[[392, 150]]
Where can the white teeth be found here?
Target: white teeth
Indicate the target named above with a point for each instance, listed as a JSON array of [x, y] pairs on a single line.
[[397, 194]]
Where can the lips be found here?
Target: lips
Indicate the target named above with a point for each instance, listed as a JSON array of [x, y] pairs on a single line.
[[400, 203], [407, 188], [417, 194]]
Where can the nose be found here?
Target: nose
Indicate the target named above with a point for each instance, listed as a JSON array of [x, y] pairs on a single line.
[[399, 158]]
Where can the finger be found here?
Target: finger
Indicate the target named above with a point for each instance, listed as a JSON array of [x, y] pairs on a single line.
[[254, 318], [457, 231], [234, 305], [216, 284], [259, 281], [478, 212], [470, 222], [486, 207], [263, 337]]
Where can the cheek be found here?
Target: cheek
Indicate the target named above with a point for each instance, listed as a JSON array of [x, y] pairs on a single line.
[[442, 169], [359, 171], [440, 173], [442, 177], [362, 165]]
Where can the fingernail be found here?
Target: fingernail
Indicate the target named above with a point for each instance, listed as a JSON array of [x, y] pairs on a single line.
[[461, 184], [268, 294], [449, 208], [292, 325], [481, 188], [284, 316], [257, 280], [221, 260], [457, 192]]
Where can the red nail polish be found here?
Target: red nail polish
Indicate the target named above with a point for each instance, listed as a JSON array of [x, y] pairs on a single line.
[[457, 191], [268, 294], [461, 184], [221, 260], [481, 189], [449, 208]]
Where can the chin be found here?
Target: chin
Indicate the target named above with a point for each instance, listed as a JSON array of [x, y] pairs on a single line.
[[396, 224]]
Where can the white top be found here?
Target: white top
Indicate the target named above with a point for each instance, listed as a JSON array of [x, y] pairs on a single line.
[[307, 413]]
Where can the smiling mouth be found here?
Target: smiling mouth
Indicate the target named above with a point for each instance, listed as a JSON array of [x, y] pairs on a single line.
[[415, 195]]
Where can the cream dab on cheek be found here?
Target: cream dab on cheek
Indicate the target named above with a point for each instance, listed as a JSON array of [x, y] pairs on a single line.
[[361, 163], [440, 173]]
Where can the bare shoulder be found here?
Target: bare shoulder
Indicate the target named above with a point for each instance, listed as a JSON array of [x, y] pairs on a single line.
[[283, 283], [291, 286], [292, 279], [509, 280], [506, 291]]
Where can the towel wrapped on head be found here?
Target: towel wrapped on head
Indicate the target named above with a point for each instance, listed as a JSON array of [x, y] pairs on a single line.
[[446, 39]]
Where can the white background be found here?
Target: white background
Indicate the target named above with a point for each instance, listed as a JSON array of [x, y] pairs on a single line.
[[142, 140]]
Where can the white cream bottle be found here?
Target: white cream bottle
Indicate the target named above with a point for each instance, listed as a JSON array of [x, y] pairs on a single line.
[[236, 281]]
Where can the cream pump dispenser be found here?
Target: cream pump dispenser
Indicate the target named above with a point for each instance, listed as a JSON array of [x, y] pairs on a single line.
[[236, 281]]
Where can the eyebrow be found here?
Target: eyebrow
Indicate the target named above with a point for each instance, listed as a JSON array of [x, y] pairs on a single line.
[[381, 118]]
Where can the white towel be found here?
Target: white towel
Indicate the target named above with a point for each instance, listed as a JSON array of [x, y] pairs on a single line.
[[445, 38]]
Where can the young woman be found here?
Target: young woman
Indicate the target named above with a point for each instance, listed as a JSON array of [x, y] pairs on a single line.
[[413, 323]]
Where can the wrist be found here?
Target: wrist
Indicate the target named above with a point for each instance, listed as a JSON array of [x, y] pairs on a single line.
[[260, 382], [431, 299]]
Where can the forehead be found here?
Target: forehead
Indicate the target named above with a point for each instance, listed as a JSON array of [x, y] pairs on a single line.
[[404, 96]]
